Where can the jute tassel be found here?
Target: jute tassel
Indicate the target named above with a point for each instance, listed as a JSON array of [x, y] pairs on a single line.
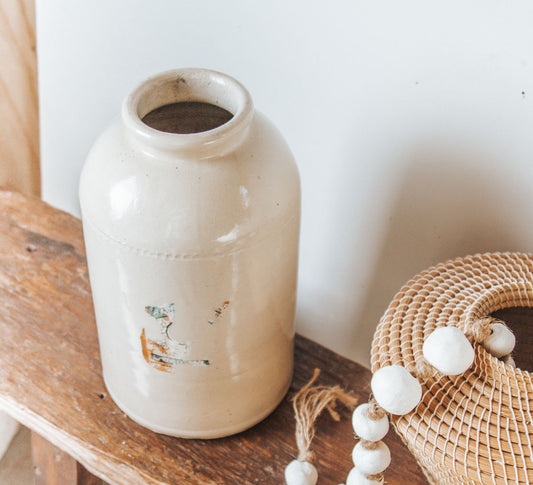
[[308, 403]]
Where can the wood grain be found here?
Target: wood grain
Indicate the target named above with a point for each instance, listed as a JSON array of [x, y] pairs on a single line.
[[51, 380], [19, 136]]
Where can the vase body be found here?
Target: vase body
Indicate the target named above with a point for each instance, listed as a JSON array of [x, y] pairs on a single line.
[[192, 248]]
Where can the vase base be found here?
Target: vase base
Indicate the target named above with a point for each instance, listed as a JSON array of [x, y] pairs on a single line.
[[202, 433]]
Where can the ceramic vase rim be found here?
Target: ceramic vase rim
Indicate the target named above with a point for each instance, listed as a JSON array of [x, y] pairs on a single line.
[[189, 84]]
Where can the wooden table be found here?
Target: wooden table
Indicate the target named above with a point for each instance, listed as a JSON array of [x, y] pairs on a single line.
[[51, 381]]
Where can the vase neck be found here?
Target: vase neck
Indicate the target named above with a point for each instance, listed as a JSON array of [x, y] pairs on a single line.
[[186, 85]]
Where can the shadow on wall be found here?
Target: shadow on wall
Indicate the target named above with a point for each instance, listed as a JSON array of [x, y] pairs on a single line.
[[449, 203]]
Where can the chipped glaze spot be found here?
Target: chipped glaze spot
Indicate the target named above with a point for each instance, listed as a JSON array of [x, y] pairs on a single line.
[[219, 311], [164, 353]]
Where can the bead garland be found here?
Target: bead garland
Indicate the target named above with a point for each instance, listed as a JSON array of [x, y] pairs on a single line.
[[448, 351]]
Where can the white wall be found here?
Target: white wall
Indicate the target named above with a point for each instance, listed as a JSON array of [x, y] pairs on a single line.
[[411, 121]]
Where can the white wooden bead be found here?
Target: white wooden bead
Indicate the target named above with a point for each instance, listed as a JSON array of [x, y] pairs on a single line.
[[510, 361], [367, 428], [449, 351], [371, 461], [501, 341], [395, 390], [300, 473], [355, 477]]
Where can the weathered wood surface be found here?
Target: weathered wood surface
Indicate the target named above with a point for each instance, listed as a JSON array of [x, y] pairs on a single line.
[[19, 136], [51, 381]]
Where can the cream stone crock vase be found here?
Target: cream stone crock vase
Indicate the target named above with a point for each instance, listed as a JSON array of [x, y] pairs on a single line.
[[192, 247]]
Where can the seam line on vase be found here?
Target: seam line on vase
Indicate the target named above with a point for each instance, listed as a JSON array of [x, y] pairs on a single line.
[[177, 257]]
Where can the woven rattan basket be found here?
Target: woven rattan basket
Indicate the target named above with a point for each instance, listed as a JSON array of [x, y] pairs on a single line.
[[476, 428]]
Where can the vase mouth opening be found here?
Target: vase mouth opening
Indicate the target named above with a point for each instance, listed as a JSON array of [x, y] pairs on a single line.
[[192, 87]]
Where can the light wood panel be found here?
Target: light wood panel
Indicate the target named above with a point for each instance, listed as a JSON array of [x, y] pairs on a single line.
[[19, 124]]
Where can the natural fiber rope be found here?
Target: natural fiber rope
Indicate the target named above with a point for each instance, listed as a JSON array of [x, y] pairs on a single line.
[[370, 445], [423, 369], [375, 411], [479, 330], [308, 403], [475, 428]]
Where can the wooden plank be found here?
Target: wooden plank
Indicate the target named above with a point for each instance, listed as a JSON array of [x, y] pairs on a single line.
[[51, 381], [19, 136], [52, 466]]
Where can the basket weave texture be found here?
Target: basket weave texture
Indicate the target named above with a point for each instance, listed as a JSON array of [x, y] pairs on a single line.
[[475, 428]]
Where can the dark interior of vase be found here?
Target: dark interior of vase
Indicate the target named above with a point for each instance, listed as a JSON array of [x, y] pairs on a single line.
[[187, 117], [520, 321]]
